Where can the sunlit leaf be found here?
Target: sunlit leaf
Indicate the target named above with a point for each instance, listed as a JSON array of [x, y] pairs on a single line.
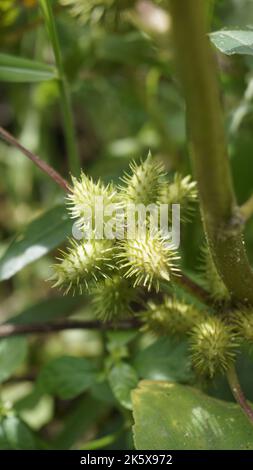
[[18, 435], [233, 41], [38, 238], [172, 416]]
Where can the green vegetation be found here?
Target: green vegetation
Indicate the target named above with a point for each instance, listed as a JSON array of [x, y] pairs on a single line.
[[123, 343]]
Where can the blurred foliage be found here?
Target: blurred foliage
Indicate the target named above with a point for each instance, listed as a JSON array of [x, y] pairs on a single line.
[[66, 389]]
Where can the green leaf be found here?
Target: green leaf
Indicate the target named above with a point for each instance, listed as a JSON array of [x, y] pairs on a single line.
[[18, 435], [67, 376], [123, 379], [118, 339], [47, 310], [12, 353], [18, 69], [165, 359], [117, 344], [129, 48], [233, 42], [80, 419], [4, 444], [103, 392], [48, 14], [38, 238], [172, 416]]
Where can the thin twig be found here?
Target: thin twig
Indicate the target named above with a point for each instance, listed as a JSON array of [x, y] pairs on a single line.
[[193, 288], [53, 174], [247, 209], [21, 378], [9, 329], [238, 393]]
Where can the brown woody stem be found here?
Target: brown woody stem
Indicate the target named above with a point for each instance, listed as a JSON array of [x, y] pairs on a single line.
[[193, 288], [238, 393], [38, 162], [8, 329]]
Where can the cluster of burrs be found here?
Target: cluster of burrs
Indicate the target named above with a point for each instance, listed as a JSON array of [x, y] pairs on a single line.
[[215, 337], [117, 271], [114, 270]]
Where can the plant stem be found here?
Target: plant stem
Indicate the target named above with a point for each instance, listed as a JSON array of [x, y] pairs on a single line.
[[238, 393], [9, 329], [221, 217], [193, 288], [53, 174], [68, 121], [210, 4], [104, 441]]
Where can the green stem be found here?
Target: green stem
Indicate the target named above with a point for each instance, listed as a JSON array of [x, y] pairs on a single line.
[[104, 441], [68, 121], [221, 217], [210, 4], [238, 393], [193, 288]]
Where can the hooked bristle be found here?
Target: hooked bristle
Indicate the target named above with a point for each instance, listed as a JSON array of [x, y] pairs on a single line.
[[172, 317], [148, 260], [112, 299], [242, 319], [87, 197], [213, 347], [83, 265], [183, 191], [213, 281], [143, 185]]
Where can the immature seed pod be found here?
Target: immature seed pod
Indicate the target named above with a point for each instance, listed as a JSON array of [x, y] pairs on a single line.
[[84, 264], [112, 299], [182, 190], [172, 317], [243, 323], [148, 260], [213, 281], [144, 184], [86, 197], [213, 346]]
